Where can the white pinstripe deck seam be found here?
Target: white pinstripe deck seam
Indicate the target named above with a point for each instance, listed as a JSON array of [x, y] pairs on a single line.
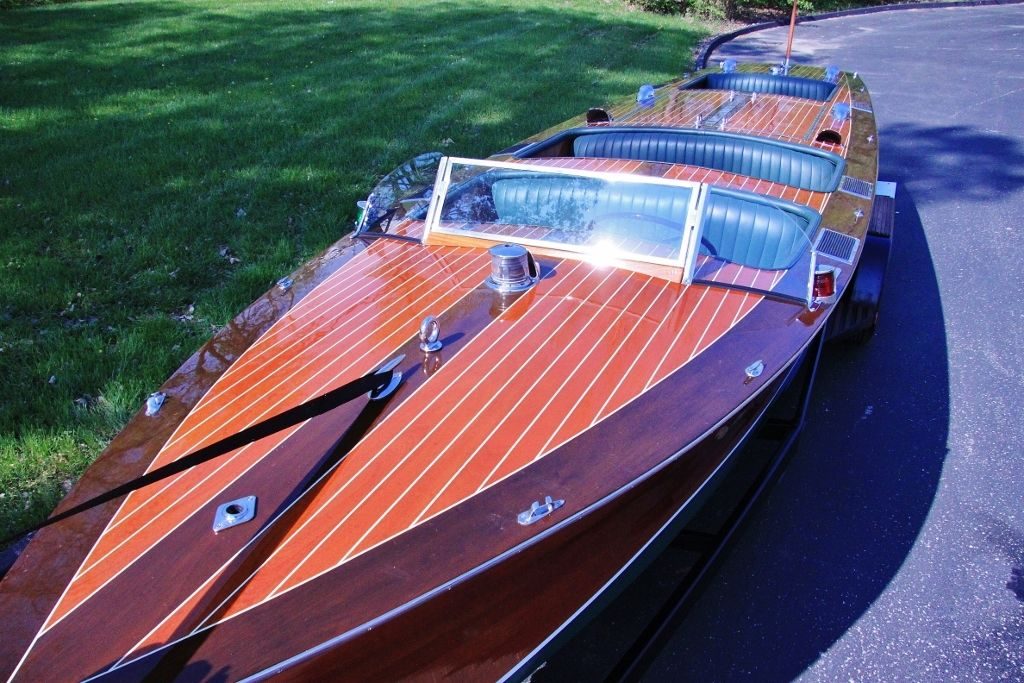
[[567, 382], [524, 336], [496, 394], [271, 407]]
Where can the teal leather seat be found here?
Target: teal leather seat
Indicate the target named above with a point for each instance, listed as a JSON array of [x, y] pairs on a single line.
[[753, 233], [770, 84], [571, 204], [805, 168], [738, 227]]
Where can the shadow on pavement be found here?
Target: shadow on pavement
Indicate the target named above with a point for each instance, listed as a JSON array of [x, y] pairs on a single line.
[[835, 529]]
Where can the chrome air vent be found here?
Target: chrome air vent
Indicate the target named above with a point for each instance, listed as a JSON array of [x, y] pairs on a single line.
[[512, 269], [837, 245], [856, 187]]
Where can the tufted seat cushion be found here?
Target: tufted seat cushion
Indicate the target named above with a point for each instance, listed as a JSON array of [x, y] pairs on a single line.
[[753, 233], [790, 86], [738, 227], [767, 160], [572, 203]]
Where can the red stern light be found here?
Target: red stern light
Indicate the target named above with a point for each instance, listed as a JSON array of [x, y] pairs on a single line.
[[824, 291]]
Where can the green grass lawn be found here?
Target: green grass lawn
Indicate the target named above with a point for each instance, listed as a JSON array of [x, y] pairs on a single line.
[[162, 163]]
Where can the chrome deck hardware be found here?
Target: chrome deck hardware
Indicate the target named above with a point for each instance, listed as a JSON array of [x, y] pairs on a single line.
[[234, 512], [838, 245], [512, 269], [539, 510], [429, 333], [753, 371], [154, 403], [856, 187]]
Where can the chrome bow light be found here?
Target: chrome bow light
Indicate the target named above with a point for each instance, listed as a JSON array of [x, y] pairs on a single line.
[[512, 269]]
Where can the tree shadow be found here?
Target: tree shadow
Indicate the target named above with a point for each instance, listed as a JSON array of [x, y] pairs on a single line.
[[837, 527], [833, 533], [143, 138], [954, 163]]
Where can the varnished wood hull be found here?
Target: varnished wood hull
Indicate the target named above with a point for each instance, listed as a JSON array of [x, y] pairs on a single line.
[[483, 624], [613, 390]]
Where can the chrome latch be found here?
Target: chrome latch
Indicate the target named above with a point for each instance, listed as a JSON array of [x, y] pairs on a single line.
[[539, 510], [234, 512]]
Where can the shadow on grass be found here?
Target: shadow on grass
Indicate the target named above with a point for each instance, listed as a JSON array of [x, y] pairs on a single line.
[[147, 136], [163, 163]]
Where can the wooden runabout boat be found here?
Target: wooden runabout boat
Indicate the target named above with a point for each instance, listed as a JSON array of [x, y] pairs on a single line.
[[563, 344]]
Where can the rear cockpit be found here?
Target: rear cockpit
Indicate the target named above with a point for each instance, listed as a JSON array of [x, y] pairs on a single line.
[[807, 168]]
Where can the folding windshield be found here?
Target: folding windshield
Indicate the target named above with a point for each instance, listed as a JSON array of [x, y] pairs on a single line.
[[609, 215], [757, 243], [709, 234]]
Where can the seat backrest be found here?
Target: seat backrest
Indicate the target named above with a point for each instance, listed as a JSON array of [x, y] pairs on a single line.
[[769, 84], [741, 230], [729, 153], [752, 233], [572, 203]]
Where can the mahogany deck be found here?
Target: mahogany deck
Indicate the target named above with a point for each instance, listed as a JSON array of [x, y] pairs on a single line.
[[791, 119], [616, 347], [605, 327]]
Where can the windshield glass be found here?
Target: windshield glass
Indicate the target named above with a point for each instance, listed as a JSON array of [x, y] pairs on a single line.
[[403, 193], [606, 214], [749, 241], [710, 234]]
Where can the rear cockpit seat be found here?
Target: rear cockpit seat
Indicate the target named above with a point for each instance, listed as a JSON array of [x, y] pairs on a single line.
[[807, 168], [768, 84], [752, 157]]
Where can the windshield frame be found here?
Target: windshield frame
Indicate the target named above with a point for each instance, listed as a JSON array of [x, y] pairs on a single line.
[[688, 230]]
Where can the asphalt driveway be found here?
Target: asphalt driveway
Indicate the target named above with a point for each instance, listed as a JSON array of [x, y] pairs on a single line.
[[893, 547]]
